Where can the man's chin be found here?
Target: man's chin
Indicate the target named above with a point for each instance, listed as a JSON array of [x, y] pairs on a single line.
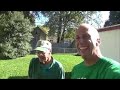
[[42, 61], [84, 56]]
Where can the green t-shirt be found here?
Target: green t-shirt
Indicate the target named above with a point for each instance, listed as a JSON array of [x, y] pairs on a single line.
[[105, 68], [38, 70]]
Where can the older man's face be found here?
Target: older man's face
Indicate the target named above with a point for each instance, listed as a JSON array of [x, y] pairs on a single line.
[[43, 56]]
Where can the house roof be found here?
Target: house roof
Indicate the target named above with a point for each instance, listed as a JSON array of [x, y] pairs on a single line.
[[41, 29], [109, 28], [44, 29]]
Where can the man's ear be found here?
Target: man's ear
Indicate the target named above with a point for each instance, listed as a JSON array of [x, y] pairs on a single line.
[[98, 42]]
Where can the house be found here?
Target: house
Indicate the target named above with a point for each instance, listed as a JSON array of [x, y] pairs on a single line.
[[110, 41], [38, 34], [52, 39]]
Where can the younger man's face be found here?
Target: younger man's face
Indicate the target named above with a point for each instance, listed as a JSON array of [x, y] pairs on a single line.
[[85, 41]]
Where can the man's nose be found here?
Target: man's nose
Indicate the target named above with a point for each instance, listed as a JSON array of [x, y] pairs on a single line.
[[81, 40]]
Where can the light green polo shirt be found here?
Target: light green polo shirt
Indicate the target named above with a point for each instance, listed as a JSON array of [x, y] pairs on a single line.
[[38, 70], [105, 68]]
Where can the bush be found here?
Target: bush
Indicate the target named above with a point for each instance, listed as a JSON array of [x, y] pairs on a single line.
[[15, 35]]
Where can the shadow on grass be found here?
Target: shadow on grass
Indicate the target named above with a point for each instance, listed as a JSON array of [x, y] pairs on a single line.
[[18, 77], [67, 75], [77, 54]]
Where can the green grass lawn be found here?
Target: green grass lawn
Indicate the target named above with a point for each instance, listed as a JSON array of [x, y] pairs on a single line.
[[18, 68]]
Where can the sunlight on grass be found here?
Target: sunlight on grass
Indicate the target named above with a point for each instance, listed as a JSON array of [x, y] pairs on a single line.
[[18, 68], [68, 60]]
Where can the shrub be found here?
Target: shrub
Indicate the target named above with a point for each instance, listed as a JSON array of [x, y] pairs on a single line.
[[15, 35]]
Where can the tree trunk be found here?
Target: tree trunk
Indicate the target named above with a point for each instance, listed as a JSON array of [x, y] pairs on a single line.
[[59, 29]]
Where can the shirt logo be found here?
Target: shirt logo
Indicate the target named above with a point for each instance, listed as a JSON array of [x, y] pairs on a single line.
[[81, 78]]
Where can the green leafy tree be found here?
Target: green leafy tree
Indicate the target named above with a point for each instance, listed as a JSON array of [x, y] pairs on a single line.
[[15, 34], [70, 34], [61, 21], [27, 14], [30, 15]]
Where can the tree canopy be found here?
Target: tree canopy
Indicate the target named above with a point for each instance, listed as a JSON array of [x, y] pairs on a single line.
[[61, 22], [15, 34]]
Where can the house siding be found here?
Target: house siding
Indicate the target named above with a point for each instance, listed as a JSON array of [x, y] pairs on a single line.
[[110, 42]]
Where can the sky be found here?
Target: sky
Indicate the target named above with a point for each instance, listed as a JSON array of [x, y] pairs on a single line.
[[105, 16], [40, 21]]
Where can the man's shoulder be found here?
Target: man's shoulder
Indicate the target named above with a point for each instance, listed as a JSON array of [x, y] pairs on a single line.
[[34, 59], [111, 62], [57, 63], [113, 67], [80, 65]]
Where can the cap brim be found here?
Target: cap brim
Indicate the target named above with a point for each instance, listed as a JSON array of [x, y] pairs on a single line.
[[41, 49]]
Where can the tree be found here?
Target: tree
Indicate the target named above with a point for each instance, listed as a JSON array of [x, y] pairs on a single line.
[[15, 34], [114, 18], [61, 21], [70, 34], [30, 15], [27, 14]]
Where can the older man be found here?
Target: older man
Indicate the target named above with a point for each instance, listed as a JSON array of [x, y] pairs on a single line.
[[45, 66]]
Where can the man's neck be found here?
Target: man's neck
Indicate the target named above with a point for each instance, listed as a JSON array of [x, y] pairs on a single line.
[[91, 60]]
